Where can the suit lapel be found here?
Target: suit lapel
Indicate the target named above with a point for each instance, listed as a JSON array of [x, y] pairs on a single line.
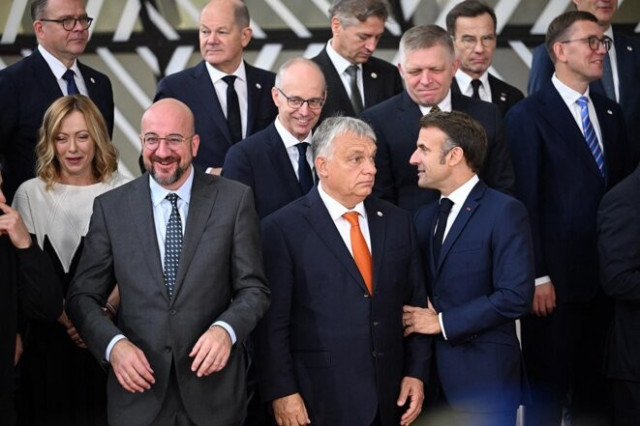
[[42, 74], [607, 130], [338, 96], [209, 100], [254, 94], [371, 83], [625, 62], [141, 214], [279, 159]]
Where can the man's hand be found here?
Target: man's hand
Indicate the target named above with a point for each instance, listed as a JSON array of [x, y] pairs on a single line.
[[420, 320], [411, 388], [211, 351], [19, 350], [11, 224], [71, 330], [131, 367], [290, 411], [544, 299]]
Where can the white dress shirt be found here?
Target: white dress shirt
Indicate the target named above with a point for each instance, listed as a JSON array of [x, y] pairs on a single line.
[[341, 65], [58, 69], [290, 143], [464, 83], [240, 85], [444, 105]]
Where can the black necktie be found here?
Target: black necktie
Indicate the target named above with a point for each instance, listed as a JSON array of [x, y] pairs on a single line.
[[304, 171], [172, 245], [445, 208], [233, 109], [475, 85], [72, 89], [607, 78], [356, 98]]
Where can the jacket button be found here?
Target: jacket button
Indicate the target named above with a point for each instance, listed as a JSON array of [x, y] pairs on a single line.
[[172, 312]]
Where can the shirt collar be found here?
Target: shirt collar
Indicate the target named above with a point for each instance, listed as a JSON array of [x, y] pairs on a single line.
[[159, 193], [461, 193], [444, 105], [287, 138], [335, 209], [216, 75], [338, 60], [464, 81], [57, 67], [569, 95]]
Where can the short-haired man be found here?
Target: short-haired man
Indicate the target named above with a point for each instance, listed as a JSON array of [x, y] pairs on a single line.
[[29, 86], [476, 243], [472, 25], [428, 64], [188, 265], [340, 265], [276, 162], [229, 98], [355, 79], [569, 147]]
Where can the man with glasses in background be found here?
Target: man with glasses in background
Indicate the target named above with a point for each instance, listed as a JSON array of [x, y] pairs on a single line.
[[29, 86], [472, 26], [568, 145], [276, 162]]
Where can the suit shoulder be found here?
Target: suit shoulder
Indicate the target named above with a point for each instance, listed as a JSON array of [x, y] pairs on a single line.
[[503, 85], [381, 110], [381, 64], [91, 72], [180, 76], [383, 207], [259, 73]]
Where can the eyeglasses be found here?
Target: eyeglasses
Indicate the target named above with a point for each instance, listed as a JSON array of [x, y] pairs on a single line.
[[297, 102], [70, 23], [152, 141], [469, 42], [594, 42]]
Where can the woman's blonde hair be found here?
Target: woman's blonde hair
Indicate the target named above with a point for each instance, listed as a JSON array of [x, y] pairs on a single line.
[[105, 160]]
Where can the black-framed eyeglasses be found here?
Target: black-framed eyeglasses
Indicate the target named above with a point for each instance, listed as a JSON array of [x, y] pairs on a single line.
[[173, 141], [70, 23], [297, 102], [593, 42], [469, 42]]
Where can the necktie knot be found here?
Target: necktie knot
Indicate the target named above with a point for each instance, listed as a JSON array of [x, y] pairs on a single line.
[[173, 199], [475, 85], [582, 101], [302, 148], [352, 218], [434, 109], [445, 205], [229, 79], [352, 70]]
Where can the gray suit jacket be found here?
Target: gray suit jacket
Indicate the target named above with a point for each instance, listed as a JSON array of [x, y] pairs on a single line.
[[220, 278]]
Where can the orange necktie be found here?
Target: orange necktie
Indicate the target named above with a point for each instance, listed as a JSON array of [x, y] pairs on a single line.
[[360, 250]]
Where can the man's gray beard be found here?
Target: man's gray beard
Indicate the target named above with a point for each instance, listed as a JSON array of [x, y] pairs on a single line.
[[171, 179]]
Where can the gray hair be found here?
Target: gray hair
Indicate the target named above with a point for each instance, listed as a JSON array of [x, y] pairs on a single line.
[[331, 128], [298, 60], [350, 12], [423, 37]]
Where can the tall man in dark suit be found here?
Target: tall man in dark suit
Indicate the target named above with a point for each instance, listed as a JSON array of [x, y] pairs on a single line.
[[619, 248], [569, 147], [229, 98], [188, 298], [355, 79], [276, 162], [477, 247], [472, 25], [28, 285], [620, 83], [340, 266], [29, 86], [428, 64]]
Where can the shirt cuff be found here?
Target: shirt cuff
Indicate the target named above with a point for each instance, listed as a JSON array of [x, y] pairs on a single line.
[[444, 334], [228, 328], [543, 280], [111, 344]]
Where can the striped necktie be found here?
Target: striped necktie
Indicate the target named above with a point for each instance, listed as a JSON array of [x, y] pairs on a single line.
[[590, 134]]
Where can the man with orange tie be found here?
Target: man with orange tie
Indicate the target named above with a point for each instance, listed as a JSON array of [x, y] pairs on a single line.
[[340, 265]]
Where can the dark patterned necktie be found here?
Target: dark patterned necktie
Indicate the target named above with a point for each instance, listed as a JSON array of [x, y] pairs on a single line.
[[172, 245]]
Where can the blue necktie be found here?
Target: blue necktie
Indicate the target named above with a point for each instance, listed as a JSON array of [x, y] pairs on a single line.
[[72, 89], [590, 133], [172, 245], [304, 171]]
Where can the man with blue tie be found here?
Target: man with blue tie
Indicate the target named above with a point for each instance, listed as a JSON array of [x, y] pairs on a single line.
[[29, 86], [476, 243], [569, 146], [276, 162]]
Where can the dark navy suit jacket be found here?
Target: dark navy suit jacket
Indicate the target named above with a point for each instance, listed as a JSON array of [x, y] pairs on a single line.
[[261, 161], [503, 95], [396, 123], [558, 180], [27, 89], [324, 335], [482, 282], [193, 87]]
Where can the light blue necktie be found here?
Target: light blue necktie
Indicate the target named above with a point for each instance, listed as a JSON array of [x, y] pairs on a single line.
[[590, 133], [172, 245]]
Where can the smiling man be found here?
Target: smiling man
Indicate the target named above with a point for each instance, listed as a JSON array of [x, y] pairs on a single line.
[[569, 146], [29, 86], [356, 80], [229, 98]]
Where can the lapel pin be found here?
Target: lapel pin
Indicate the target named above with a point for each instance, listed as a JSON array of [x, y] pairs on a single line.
[[609, 112], [258, 85], [503, 97], [468, 208], [630, 48], [379, 213], [374, 75], [92, 80]]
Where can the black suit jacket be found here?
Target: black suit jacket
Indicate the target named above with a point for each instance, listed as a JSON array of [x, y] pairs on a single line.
[[503, 95], [558, 180], [27, 89], [619, 248], [261, 161], [193, 87], [381, 80], [396, 123]]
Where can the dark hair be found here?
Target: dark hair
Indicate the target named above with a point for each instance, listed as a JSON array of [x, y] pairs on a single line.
[[560, 27], [348, 11], [462, 131], [469, 9], [37, 8]]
